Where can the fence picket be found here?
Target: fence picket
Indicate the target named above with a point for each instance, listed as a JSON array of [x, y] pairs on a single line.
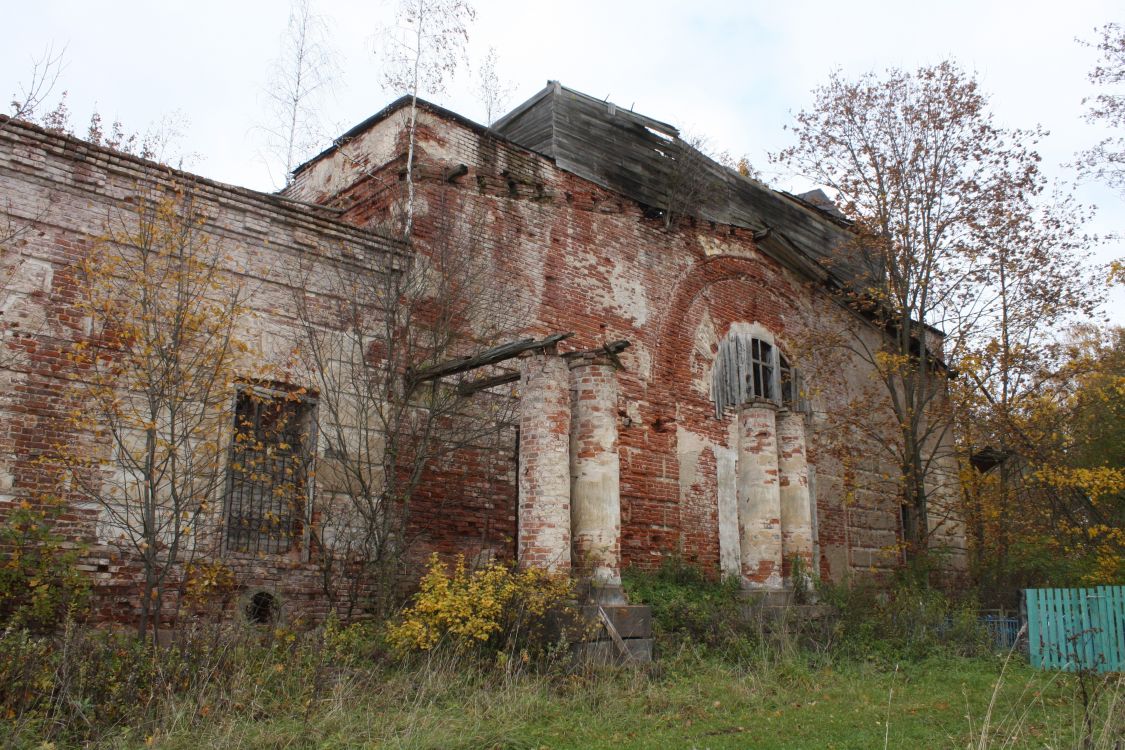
[[1115, 626], [1089, 629], [1034, 639], [1075, 629], [1051, 627], [1058, 631]]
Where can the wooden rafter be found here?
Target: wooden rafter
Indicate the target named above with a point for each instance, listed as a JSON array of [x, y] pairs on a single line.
[[482, 359]]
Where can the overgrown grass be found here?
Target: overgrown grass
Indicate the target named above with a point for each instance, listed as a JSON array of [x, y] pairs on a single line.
[[894, 677], [690, 700]]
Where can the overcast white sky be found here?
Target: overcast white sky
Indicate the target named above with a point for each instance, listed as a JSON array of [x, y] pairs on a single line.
[[731, 71]]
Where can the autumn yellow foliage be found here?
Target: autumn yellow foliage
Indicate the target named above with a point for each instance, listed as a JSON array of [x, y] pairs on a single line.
[[468, 609]]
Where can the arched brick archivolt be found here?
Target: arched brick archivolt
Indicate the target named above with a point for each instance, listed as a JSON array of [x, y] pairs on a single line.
[[731, 289]]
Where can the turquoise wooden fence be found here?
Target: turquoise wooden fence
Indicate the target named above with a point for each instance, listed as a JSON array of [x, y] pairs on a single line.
[[1073, 629]]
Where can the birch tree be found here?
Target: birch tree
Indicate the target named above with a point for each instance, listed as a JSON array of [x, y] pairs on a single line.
[[153, 384], [492, 91], [421, 52], [300, 79], [1106, 160]]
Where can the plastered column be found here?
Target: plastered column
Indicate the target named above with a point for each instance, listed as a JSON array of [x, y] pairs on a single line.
[[595, 471], [759, 499], [544, 463], [793, 474]]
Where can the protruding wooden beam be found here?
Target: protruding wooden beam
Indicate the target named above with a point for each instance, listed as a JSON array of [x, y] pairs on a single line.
[[468, 389], [483, 359], [610, 351], [452, 173]]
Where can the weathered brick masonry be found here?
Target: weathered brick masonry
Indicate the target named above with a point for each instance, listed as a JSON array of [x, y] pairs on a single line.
[[579, 257], [61, 195], [572, 255]]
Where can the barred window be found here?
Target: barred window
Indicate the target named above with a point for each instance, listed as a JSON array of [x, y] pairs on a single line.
[[268, 491]]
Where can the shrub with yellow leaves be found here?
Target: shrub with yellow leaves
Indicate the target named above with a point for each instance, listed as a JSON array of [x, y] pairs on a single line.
[[494, 608], [39, 583]]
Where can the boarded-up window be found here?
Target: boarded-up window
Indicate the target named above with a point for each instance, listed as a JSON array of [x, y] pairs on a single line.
[[748, 368], [794, 393], [267, 503], [745, 369]]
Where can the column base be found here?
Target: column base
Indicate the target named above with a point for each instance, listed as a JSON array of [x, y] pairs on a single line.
[[589, 591], [771, 596]]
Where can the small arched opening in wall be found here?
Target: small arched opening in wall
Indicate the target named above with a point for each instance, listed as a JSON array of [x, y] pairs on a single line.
[[262, 608]]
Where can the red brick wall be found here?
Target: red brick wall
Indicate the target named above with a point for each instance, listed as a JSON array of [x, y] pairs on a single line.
[[576, 257], [61, 195], [563, 254]]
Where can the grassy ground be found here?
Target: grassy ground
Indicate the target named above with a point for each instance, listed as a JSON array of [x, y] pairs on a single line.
[[889, 667], [686, 701]]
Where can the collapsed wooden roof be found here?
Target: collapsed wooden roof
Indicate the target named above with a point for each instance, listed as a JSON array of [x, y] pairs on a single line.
[[643, 159], [646, 160]]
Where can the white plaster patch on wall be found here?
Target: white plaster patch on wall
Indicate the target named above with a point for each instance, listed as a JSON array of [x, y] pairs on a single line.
[[726, 463], [338, 170], [642, 358], [6, 476], [713, 246], [633, 413], [689, 448], [726, 467], [276, 346], [28, 276], [629, 296], [702, 354], [752, 330], [457, 150], [19, 282]]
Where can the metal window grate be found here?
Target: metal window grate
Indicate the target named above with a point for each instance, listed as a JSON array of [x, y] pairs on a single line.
[[268, 489]]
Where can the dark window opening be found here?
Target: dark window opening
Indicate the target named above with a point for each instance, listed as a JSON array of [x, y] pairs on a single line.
[[745, 369], [263, 609], [268, 487], [761, 367]]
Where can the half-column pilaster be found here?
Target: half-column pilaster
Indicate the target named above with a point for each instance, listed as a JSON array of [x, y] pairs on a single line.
[[544, 463], [595, 470], [759, 499]]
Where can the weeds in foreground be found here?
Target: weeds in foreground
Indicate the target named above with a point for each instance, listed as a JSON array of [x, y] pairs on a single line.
[[724, 683]]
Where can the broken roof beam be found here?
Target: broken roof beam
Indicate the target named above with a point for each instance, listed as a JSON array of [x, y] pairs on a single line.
[[468, 389], [483, 359], [609, 350]]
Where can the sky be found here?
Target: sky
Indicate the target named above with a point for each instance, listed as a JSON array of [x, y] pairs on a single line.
[[732, 72]]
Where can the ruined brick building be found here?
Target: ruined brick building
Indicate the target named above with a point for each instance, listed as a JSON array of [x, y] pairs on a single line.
[[677, 397]]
